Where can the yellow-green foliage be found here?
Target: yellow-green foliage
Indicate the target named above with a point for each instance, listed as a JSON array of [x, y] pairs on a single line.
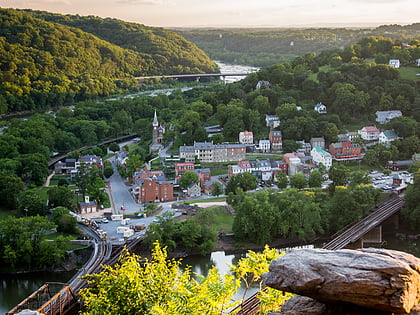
[[250, 268], [156, 286], [159, 286]]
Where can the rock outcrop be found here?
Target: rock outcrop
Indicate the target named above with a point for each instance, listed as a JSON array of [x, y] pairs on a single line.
[[379, 279]]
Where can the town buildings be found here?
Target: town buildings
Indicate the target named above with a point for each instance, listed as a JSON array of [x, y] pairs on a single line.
[[207, 152], [321, 156], [320, 108], [272, 121], [153, 189], [387, 136], [246, 137], [157, 135], [369, 133], [276, 139], [385, 116], [345, 151]]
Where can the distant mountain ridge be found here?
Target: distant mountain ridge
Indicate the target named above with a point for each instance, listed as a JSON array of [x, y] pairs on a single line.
[[45, 63], [266, 46]]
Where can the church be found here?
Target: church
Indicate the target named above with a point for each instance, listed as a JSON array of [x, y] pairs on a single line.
[[157, 135]]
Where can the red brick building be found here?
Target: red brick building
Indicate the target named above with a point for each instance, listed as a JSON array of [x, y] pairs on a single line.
[[153, 190], [276, 140], [181, 168], [345, 150]]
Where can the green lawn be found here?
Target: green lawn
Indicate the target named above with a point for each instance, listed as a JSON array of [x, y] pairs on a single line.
[[217, 199], [223, 221], [218, 171], [409, 73]]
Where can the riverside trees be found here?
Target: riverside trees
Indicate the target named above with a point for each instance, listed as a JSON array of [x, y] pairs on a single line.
[[262, 215]]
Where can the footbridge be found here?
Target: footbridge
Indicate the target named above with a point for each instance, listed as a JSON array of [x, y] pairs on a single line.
[[62, 298]]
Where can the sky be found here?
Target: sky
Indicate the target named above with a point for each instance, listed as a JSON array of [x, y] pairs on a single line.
[[237, 13]]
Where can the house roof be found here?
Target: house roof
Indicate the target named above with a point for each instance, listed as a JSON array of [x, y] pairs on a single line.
[[321, 151], [370, 129], [276, 133], [390, 134]]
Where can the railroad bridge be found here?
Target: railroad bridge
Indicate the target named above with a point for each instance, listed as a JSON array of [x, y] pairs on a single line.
[[65, 300], [367, 230]]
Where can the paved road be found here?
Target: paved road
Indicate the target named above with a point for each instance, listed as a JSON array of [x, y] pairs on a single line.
[[120, 193]]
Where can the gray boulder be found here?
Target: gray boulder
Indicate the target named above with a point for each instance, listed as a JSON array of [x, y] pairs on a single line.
[[380, 279]]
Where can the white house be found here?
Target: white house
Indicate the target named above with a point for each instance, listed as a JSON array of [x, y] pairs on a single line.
[[394, 63], [369, 133], [385, 116], [246, 137], [320, 108], [321, 156], [387, 136], [264, 145], [194, 190], [272, 121]]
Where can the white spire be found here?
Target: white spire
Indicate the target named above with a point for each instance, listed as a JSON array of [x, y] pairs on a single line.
[[155, 121]]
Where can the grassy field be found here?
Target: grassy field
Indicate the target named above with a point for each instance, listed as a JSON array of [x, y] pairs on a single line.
[[218, 171], [409, 73], [217, 199], [222, 220]]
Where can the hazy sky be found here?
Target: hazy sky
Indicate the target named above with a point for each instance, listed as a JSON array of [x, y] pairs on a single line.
[[254, 13]]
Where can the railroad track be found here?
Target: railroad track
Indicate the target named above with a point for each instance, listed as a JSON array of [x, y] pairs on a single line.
[[355, 232]]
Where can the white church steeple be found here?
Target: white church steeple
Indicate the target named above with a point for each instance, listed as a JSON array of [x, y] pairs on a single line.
[[155, 121]]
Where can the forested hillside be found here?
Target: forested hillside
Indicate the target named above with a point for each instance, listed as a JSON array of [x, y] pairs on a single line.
[[265, 46], [170, 52], [44, 64]]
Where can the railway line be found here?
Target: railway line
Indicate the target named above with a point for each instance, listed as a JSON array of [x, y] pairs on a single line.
[[341, 239], [62, 298]]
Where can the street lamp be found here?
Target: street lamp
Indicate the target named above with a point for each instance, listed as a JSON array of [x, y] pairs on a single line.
[[26, 211]]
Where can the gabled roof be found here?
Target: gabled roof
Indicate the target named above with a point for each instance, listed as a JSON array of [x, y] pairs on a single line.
[[321, 151], [370, 129], [390, 134]]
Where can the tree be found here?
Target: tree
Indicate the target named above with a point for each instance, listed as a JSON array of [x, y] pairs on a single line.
[[188, 178], [244, 181], [411, 209], [282, 180], [217, 189], [22, 244], [217, 138], [126, 287], [338, 174], [315, 179], [61, 196], [298, 181], [114, 147], [10, 187], [65, 222], [30, 203]]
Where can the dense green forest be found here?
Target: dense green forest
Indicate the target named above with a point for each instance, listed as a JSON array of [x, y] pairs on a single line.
[[44, 64], [265, 46], [170, 53]]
